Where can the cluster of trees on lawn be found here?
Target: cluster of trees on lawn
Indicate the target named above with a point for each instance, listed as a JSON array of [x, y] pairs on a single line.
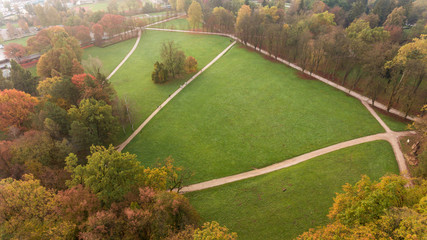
[[173, 63], [61, 178], [378, 48]]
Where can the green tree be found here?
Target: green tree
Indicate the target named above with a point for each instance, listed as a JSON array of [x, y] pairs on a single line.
[[195, 15], [212, 230], [160, 74], [92, 123], [108, 173], [173, 59], [22, 79]]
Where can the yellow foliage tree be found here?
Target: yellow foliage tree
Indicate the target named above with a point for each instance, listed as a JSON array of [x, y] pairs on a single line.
[[45, 87], [195, 15]]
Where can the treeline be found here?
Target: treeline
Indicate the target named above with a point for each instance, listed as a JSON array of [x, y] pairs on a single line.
[[377, 48]]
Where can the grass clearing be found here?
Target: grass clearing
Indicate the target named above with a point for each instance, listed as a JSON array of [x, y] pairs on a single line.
[[247, 112], [22, 41], [395, 123], [110, 56], [99, 6], [176, 24], [258, 208]]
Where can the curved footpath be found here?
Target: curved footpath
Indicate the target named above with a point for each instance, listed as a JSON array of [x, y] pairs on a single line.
[[389, 136]]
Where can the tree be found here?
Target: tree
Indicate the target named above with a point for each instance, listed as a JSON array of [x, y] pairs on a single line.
[[22, 79], [195, 16], [190, 65], [112, 24], [11, 30], [172, 58], [409, 64], [15, 51], [16, 108], [243, 23], [180, 5], [76, 204], [92, 123], [98, 32], [108, 173], [160, 74], [61, 51], [377, 210], [23, 25], [26, 211], [212, 230]]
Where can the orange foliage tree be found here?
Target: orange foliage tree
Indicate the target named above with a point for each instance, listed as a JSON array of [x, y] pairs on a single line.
[[16, 107]]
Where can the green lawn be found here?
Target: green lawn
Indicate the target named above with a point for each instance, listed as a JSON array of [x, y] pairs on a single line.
[[22, 41], [247, 112], [110, 56], [133, 80], [393, 123], [257, 208], [180, 24]]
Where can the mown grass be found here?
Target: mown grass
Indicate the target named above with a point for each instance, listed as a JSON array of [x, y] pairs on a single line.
[[247, 112], [394, 123], [110, 56], [99, 6], [259, 208], [22, 41], [177, 24]]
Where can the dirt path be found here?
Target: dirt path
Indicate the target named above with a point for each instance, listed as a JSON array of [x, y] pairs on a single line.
[[293, 161], [322, 79], [132, 136]]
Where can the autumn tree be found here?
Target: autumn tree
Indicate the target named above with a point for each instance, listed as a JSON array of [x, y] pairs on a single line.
[[212, 230], [112, 24], [243, 23], [195, 15], [61, 51], [190, 65], [23, 25], [25, 207], [376, 210], [15, 51], [98, 32], [408, 68], [11, 30], [16, 108]]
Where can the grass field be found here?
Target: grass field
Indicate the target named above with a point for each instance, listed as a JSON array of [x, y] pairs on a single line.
[[110, 56], [247, 112], [257, 208], [22, 41], [133, 80], [179, 24], [393, 123]]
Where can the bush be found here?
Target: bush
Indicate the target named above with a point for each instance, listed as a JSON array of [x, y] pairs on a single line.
[[190, 65], [160, 74]]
